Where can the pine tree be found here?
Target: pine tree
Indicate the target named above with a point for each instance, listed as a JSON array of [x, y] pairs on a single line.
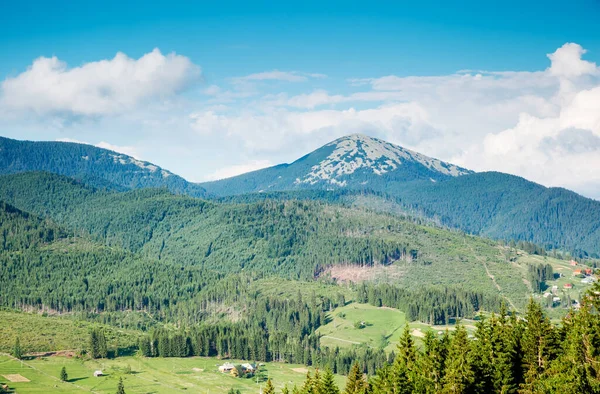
[[269, 388], [458, 374], [328, 385], [538, 346], [430, 366], [17, 352], [63, 374], [355, 383], [285, 390], [120, 387], [403, 367]]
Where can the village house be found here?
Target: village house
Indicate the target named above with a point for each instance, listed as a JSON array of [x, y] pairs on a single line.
[[588, 271], [568, 285], [98, 373], [248, 368], [227, 367], [573, 262], [576, 272], [588, 280]]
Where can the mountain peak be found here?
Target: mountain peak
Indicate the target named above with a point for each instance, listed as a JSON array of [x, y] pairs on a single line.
[[359, 152]]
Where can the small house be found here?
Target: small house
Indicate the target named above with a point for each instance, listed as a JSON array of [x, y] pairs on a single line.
[[554, 289], [577, 272], [573, 263], [568, 285], [227, 367], [588, 271], [248, 368], [98, 373]]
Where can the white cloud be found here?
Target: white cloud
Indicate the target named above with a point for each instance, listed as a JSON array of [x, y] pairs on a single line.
[[276, 75], [104, 87], [126, 150], [567, 62], [229, 171], [539, 124]]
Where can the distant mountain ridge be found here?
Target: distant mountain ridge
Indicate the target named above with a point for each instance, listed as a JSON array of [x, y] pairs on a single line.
[[353, 161], [491, 204], [95, 166]]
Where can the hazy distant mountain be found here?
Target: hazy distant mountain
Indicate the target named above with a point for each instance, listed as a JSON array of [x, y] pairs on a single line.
[[95, 166], [354, 161]]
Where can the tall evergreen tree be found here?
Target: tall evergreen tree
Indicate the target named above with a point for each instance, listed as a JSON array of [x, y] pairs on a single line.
[[355, 382], [120, 387], [539, 346], [403, 368], [458, 374], [17, 352], [328, 385]]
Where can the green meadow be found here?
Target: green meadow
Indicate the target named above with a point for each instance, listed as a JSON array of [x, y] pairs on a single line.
[[144, 375]]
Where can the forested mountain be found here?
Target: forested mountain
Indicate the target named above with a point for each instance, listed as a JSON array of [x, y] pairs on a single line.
[[96, 166], [292, 239], [354, 161], [508, 207], [490, 204]]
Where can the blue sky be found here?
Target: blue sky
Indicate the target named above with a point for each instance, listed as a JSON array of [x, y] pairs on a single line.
[[256, 83]]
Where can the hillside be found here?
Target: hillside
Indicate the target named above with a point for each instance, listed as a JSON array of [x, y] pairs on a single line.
[[96, 166], [508, 207], [293, 239]]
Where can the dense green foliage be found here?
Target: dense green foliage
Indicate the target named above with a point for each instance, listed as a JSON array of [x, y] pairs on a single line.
[[96, 166], [506, 355], [538, 275], [430, 305], [509, 207]]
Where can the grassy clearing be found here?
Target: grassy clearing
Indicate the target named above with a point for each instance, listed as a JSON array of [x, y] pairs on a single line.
[[384, 326], [148, 375], [38, 333], [382, 329]]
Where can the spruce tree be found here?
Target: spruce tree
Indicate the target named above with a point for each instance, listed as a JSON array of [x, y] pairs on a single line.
[[328, 385], [538, 346], [430, 366], [17, 352], [63, 374], [458, 374], [269, 388], [120, 387], [403, 367], [355, 383]]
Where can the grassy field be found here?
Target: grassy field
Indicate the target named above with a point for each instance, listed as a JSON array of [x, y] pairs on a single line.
[[147, 375], [39, 333], [383, 327]]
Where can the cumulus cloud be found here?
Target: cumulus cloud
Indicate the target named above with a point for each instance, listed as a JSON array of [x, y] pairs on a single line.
[[104, 87], [544, 125], [229, 171]]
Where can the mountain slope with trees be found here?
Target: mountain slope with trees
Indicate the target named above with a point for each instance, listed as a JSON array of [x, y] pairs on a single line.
[[291, 239], [95, 166]]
